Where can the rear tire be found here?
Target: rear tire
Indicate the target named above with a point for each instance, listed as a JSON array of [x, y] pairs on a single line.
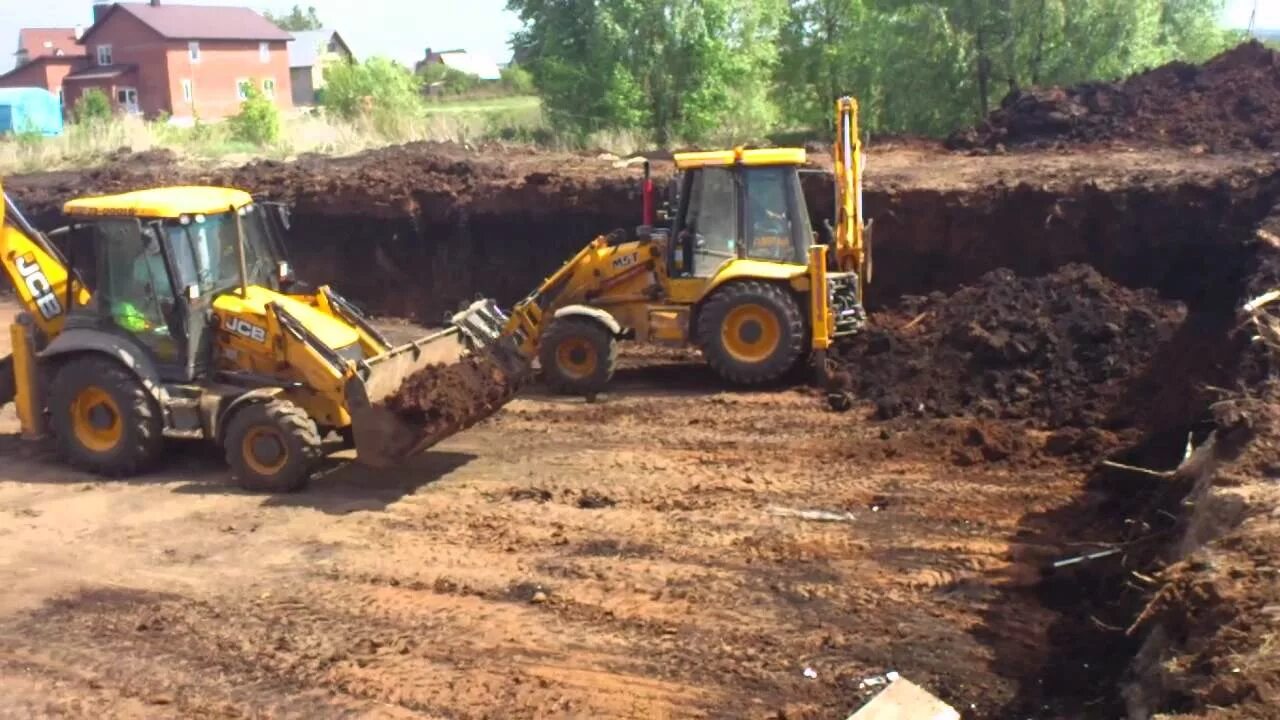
[[751, 332], [103, 419], [578, 356], [272, 447]]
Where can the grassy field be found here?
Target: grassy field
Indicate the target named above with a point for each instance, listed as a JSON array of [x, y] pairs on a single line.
[[516, 119]]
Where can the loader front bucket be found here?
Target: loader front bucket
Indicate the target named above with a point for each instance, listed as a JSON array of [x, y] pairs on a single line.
[[465, 369]]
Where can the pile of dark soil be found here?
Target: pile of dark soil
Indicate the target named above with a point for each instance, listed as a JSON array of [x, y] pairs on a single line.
[[1058, 349], [1230, 102], [442, 399]]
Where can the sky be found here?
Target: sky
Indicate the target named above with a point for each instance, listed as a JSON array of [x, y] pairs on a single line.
[[403, 29]]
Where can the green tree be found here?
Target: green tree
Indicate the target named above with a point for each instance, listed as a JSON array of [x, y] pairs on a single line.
[[93, 107], [352, 89], [296, 19], [929, 66], [677, 70], [258, 121]]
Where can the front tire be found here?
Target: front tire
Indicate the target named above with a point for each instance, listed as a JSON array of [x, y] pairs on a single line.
[[751, 332], [578, 356], [272, 447], [103, 419]]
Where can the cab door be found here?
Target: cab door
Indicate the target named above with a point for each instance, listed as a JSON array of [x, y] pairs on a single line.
[[135, 294]]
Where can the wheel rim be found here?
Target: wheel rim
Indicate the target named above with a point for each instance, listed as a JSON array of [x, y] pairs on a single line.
[[95, 419], [577, 358], [750, 333], [264, 450]]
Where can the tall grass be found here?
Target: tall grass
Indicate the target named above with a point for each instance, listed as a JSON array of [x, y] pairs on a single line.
[[516, 120]]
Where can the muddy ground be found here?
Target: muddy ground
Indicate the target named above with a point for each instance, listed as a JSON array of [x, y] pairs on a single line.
[[637, 557]]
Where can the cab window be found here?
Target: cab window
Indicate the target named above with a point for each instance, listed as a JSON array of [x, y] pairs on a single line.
[[770, 232], [712, 219]]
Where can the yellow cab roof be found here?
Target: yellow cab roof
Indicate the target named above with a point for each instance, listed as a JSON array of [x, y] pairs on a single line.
[[166, 202], [719, 158]]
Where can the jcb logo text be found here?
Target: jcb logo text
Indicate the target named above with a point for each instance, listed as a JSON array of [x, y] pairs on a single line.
[[245, 328], [39, 286]]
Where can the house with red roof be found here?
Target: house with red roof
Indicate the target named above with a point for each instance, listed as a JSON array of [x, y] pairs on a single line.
[[45, 57], [159, 58]]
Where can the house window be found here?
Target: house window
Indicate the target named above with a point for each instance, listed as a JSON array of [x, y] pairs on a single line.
[[104, 54], [187, 93], [269, 88], [193, 51], [127, 97], [264, 52], [242, 88]]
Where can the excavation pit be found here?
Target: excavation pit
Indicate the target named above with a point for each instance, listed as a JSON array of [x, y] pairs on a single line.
[[939, 566]]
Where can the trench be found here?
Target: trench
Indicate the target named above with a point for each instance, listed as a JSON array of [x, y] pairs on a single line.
[[1190, 241]]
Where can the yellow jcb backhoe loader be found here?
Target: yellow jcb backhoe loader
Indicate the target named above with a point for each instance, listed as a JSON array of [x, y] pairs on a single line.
[[173, 313], [739, 274]]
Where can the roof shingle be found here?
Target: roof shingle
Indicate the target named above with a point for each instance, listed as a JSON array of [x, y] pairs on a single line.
[[41, 42], [200, 22]]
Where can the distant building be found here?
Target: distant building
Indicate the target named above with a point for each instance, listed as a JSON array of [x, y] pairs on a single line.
[[45, 56], [154, 58], [310, 52], [468, 62]]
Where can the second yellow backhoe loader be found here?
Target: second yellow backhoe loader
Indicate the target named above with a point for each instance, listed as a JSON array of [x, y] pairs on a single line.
[[173, 313], [738, 274]]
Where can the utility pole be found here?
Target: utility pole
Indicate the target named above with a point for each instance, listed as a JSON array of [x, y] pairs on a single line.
[[1253, 16]]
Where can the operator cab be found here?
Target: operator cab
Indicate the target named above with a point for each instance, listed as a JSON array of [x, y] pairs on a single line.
[[154, 260], [739, 204]]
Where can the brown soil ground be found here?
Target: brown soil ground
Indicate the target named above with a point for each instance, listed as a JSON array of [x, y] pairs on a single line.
[[1230, 102], [636, 557]]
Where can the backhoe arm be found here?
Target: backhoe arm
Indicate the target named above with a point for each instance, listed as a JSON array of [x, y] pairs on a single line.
[[568, 285], [852, 240], [37, 270]]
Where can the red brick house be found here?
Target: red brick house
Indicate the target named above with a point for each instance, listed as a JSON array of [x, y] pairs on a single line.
[[45, 56], [183, 60]]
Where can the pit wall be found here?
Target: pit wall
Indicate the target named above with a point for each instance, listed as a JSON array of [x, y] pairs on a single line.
[[1180, 239]]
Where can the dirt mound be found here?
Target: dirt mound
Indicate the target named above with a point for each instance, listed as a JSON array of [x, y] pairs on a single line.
[[1230, 102], [1058, 349], [446, 398]]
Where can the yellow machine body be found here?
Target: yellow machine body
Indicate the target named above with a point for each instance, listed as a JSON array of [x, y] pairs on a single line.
[[231, 332]]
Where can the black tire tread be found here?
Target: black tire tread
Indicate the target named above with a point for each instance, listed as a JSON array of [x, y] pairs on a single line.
[[606, 348], [712, 314], [296, 425], [144, 428]]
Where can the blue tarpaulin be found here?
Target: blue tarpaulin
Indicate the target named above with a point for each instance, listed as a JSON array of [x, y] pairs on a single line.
[[30, 110]]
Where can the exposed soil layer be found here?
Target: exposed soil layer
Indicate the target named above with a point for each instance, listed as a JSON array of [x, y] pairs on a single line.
[[1229, 102], [445, 398], [1060, 349], [414, 231]]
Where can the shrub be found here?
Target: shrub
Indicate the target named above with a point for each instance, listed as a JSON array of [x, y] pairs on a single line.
[[354, 89], [258, 121], [93, 107], [452, 80], [517, 81]]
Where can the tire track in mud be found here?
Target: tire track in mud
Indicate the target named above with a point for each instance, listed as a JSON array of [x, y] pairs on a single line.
[[617, 560]]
